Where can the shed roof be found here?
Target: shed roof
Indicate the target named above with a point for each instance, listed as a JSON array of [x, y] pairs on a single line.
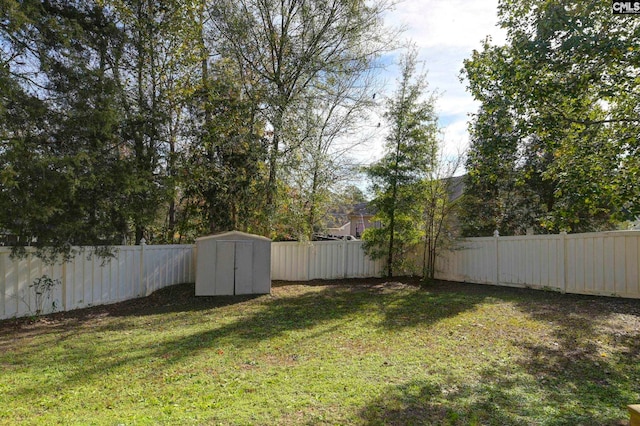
[[233, 236]]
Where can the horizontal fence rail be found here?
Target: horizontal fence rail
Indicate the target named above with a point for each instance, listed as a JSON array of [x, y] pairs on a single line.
[[602, 263]]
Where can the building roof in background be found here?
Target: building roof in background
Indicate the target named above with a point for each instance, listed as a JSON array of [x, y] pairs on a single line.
[[362, 209], [456, 187]]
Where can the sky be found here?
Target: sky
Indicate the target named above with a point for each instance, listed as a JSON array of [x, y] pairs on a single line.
[[445, 32]]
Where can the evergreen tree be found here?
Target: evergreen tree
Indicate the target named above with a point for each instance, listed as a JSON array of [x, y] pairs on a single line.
[[63, 179], [396, 179]]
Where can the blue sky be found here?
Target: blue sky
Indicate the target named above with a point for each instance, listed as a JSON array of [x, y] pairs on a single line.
[[445, 32]]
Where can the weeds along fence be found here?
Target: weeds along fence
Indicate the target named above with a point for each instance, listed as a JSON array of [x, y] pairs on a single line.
[[603, 263], [606, 263]]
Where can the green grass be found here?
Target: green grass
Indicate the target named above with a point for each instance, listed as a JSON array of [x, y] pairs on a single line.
[[354, 352]]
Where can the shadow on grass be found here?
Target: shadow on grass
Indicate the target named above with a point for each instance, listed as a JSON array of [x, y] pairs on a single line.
[[220, 322], [564, 384], [504, 396], [399, 304], [583, 371]]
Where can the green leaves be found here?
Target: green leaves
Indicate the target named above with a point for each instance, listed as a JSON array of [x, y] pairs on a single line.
[[408, 160], [560, 88]]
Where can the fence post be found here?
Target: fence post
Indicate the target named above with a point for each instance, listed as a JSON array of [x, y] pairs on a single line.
[[64, 281], [563, 236], [142, 290], [496, 235], [309, 254]]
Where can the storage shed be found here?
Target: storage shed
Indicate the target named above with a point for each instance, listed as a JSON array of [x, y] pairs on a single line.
[[233, 263]]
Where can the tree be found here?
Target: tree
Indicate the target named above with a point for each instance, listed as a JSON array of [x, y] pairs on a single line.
[[124, 119], [496, 195], [410, 148], [91, 89], [564, 79], [62, 181], [222, 169], [283, 48], [149, 70], [331, 126], [441, 196]]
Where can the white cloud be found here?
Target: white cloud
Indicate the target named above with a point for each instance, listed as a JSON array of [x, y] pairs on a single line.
[[448, 22], [445, 32]]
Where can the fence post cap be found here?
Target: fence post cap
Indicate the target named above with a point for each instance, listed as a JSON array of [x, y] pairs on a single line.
[[634, 414], [143, 242], [496, 233]]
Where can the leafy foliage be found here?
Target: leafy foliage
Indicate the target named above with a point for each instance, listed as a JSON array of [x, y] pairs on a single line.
[[551, 144], [410, 148], [292, 52], [130, 119]]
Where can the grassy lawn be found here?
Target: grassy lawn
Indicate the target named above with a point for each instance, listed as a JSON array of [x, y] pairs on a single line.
[[354, 352]]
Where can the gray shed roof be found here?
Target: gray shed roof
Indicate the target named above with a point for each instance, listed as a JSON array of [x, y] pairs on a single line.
[[233, 236]]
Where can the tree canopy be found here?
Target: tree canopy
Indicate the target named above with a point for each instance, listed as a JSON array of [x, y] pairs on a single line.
[[130, 119], [555, 141]]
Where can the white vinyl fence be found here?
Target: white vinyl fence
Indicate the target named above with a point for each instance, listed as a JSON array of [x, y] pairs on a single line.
[[606, 263], [324, 260], [135, 271], [603, 263]]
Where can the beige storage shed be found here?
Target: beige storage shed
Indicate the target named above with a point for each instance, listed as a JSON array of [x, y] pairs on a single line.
[[233, 263]]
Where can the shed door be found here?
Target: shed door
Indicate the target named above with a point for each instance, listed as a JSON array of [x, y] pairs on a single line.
[[244, 267], [225, 265]]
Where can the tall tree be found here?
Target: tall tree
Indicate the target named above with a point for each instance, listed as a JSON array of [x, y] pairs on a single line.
[[284, 47], [496, 195], [565, 74], [330, 128], [148, 30], [222, 168], [410, 147], [62, 180]]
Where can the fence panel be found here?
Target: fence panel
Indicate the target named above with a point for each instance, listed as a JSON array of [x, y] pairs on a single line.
[[535, 261], [17, 296], [166, 265], [292, 261], [605, 263], [85, 280], [326, 260], [472, 260], [357, 264]]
